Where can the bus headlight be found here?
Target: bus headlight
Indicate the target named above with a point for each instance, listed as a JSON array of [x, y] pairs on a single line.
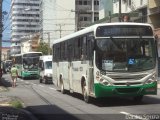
[[104, 82], [25, 70], [150, 80]]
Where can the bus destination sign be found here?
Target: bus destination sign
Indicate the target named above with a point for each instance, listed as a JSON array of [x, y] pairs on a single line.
[[128, 30]]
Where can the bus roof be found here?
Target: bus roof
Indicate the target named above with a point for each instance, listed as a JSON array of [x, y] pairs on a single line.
[[25, 53], [93, 28], [46, 57]]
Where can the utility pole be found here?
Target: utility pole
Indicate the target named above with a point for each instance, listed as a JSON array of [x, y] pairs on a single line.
[[48, 43], [1, 27], [92, 11], [120, 19], [60, 29]]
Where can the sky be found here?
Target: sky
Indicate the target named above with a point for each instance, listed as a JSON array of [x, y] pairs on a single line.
[[6, 23]]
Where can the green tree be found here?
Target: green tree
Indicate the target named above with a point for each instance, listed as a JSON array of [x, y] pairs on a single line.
[[43, 47]]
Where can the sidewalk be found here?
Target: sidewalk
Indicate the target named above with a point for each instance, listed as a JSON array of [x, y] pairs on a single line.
[[7, 112]]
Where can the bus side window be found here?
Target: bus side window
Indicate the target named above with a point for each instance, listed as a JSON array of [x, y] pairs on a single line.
[[90, 47], [70, 51], [84, 47]]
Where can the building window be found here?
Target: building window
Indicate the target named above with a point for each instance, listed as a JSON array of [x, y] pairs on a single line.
[[141, 2], [80, 2], [85, 2], [96, 2], [129, 2], [84, 18], [96, 18]]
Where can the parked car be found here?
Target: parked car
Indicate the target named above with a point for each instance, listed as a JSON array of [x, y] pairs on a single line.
[[45, 69], [7, 64]]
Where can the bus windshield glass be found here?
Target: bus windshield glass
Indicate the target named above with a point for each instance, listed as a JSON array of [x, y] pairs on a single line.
[[125, 54], [30, 63]]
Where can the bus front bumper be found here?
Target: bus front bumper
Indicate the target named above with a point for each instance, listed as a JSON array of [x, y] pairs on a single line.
[[128, 91], [30, 74]]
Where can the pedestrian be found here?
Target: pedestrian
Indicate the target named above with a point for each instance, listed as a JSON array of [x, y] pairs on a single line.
[[126, 18], [14, 75]]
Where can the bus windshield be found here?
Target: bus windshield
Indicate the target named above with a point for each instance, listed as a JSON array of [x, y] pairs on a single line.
[[30, 63], [125, 54]]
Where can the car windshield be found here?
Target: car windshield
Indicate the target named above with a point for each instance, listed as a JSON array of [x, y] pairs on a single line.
[[125, 54], [48, 65]]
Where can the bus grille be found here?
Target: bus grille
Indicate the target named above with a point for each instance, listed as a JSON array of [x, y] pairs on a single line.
[[124, 84], [127, 90]]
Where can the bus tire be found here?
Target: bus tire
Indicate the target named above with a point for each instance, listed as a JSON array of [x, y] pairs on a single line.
[[138, 98], [85, 94]]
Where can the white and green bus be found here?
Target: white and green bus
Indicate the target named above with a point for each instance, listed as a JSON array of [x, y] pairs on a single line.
[[106, 60], [27, 64]]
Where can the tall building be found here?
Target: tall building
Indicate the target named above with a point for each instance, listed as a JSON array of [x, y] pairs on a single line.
[[87, 12], [25, 17], [57, 20]]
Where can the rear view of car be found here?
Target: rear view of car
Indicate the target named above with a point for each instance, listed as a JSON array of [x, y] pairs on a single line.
[[45, 68]]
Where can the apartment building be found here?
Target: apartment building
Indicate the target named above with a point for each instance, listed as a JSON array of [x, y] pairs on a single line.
[[86, 13], [57, 19], [154, 19], [25, 17], [137, 9]]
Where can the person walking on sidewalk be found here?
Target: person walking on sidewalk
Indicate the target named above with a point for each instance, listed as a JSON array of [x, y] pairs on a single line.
[[14, 75]]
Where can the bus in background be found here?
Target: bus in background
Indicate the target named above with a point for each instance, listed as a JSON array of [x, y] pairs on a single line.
[[27, 64], [45, 68], [106, 60], [6, 66]]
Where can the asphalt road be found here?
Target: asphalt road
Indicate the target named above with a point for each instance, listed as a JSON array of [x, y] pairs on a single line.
[[47, 103]]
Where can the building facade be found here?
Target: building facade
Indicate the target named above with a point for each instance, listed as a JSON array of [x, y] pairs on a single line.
[[57, 20], [154, 19], [137, 9], [25, 17], [86, 13]]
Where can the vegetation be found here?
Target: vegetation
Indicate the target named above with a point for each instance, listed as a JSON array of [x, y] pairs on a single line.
[[16, 104], [43, 47]]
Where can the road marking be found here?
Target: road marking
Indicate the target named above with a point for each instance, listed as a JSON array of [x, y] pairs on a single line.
[[52, 88], [27, 82], [133, 116], [41, 85], [33, 84]]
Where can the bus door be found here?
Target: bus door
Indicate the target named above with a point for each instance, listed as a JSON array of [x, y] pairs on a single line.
[[70, 65]]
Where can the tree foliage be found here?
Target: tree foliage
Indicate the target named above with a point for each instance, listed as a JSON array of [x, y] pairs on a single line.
[[43, 47]]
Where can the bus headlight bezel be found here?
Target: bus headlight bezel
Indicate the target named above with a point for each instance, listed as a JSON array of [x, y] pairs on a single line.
[[104, 82], [151, 80]]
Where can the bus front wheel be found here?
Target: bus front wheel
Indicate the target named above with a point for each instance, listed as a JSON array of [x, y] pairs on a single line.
[[62, 87], [85, 94]]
